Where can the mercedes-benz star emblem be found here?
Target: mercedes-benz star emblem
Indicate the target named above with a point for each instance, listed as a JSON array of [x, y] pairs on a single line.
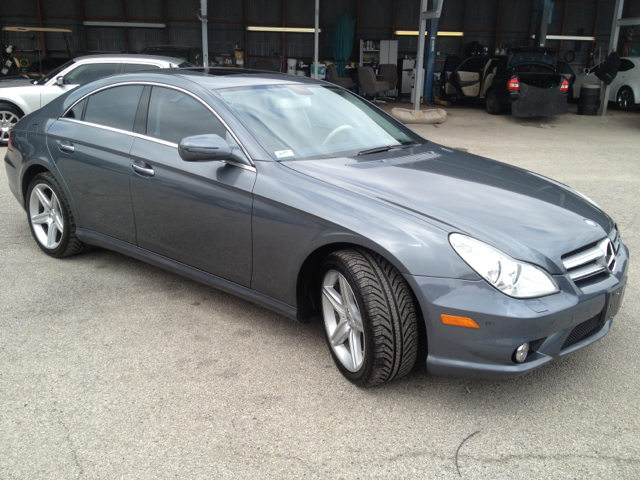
[[590, 222], [608, 258]]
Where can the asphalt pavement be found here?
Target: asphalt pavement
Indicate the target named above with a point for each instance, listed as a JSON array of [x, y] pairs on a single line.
[[114, 369]]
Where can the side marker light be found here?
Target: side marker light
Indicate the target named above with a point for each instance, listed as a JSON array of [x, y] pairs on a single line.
[[458, 321]]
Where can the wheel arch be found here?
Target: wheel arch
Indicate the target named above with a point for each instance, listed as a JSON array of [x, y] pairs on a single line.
[[28, 176], [15, 104], [308, 278]]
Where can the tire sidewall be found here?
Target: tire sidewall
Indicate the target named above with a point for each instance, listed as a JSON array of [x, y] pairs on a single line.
[[333, 262], [631, 99], [492, 105], [43, 179]]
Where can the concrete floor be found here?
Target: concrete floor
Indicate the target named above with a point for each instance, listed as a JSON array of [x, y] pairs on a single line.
[[110, 368]]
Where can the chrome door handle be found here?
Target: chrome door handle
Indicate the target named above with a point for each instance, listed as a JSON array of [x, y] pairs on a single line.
[[143, 169], [66, 146]]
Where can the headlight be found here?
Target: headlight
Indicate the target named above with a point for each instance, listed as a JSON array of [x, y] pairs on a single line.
[[512, 277]]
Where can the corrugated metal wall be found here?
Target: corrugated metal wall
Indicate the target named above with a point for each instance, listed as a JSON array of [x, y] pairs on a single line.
[[491, 23]]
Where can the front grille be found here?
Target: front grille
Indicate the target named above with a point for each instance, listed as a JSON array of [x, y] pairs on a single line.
[[583, 330], [594, 258]]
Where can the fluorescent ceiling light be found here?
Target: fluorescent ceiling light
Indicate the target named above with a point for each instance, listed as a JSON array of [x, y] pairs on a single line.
[[283, 29], [123, 24], [440, 34], [568, 37]]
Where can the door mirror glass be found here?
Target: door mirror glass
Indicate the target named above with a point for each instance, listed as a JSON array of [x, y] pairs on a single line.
[[60, 81], [204, 148]]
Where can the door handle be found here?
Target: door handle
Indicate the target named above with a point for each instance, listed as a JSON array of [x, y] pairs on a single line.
[[66, 146], [143, 169]]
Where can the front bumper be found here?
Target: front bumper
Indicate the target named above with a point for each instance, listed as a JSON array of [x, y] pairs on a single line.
[[506, 323]]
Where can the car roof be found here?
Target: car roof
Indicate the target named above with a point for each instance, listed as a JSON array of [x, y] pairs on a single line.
[[123, 57], [215, 78]]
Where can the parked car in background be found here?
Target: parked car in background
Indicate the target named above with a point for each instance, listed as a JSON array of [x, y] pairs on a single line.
[[625, 88], [303, 197], [529, 79], [188, 54], [21, 97]]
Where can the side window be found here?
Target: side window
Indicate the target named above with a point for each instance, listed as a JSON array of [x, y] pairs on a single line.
[[76, 111], [174, 115], [115, 107], [137, 67], [625, 65], [89, 72]]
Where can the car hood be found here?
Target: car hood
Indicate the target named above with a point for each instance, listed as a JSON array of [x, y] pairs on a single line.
[[16, 82], [529, 217]]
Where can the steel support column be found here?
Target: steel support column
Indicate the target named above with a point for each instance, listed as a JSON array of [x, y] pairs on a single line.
[[43, 47], [425, 14], [205, 33], [316, 39], [613, 45]]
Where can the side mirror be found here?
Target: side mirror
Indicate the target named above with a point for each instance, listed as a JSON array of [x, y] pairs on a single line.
[[205, 148], [60, 81]]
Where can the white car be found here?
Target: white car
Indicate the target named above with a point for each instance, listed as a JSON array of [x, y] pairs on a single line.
[[21, 97], [625, 88]]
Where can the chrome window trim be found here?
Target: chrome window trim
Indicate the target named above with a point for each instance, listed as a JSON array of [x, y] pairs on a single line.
[[151, 139], [158, 140]]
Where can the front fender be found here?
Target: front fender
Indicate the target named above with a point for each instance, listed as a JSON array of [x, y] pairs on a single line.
[[295, 215], [17, 101]]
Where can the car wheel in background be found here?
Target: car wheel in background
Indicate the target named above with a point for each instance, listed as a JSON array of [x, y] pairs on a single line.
[[369, 317], [625, 99], [9, 116], [50, 218], [492, 103]]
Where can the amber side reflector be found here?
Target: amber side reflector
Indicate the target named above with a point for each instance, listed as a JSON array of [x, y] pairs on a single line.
[[458, 321]]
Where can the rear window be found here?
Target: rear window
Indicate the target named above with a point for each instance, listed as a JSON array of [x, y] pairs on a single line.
[[543, 56], [115, 107]]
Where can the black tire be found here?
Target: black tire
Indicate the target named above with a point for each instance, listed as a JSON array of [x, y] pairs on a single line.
[[66, 243], [386, 306], [9, 116], [625, 99], [492, 104]]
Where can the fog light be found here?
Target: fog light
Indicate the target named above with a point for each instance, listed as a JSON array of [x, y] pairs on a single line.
[[521, 352]]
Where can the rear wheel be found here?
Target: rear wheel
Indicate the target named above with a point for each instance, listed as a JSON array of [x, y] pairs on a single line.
[[625, 99], [9, 116], [50, 218], [492, 103], [369, 316]]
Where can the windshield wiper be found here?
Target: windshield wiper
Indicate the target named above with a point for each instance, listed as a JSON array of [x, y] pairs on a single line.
[[386, 148]]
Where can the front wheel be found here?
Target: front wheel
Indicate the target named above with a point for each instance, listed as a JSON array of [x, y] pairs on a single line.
[[369, 317], [625, 99], [50, 218]]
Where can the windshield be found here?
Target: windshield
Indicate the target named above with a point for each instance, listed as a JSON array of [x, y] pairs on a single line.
[[53, 73], [544, 56], [301, 121]]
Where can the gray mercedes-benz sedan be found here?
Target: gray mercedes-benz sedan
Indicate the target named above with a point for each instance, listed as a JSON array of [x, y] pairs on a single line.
[[301, 196]]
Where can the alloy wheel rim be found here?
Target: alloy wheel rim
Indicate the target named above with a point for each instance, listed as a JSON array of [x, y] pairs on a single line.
[[343, 321], [624, 99], [7, 122], [45, 215]]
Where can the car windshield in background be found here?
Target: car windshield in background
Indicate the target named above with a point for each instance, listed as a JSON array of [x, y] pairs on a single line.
[[302, 121], [53, 73]]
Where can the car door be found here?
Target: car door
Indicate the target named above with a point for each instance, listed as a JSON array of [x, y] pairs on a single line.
[[198, 213], [79, 74], [468, 76], [90, 146]]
